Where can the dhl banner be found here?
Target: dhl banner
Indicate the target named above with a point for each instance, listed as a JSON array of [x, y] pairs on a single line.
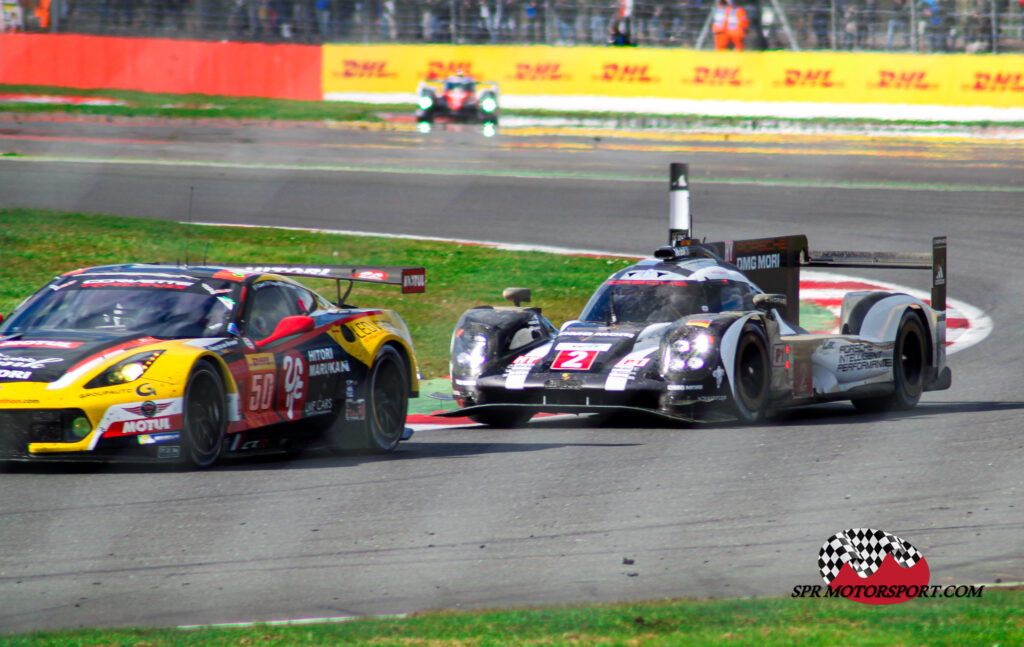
[[806, 77]]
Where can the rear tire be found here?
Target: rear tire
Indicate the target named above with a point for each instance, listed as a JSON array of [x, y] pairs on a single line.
[[204, 420], [909, 366], [387, 401], [752, 376]]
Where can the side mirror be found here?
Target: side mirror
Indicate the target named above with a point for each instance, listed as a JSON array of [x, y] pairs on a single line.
[[293, 325], [516, 295], [768, 302]]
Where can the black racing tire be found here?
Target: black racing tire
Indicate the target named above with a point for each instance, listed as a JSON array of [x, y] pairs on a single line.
[[909, 366], [204, 419], [751, 376], [502, 418], [387, 401]]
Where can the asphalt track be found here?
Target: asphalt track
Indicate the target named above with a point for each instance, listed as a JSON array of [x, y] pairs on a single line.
[[563, 510]]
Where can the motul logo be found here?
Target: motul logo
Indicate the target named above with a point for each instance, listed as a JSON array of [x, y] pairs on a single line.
[[985, 82], [903, 81], [144, 426], [809, 78], [615, 73], [353, 69], [441, 69], [717, 76], [539, 72]]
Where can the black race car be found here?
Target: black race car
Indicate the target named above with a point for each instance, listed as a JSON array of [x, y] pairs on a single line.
[[457, 98], [690, 335]]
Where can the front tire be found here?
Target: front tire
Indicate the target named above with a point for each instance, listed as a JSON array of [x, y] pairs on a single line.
[[387, 401], [751, 376], [204, 423], [909, 365]]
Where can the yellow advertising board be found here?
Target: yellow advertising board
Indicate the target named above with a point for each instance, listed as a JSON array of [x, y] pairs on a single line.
[[832, 77]]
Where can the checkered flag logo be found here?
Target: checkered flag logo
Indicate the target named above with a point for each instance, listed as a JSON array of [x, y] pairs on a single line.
[[863, 549]]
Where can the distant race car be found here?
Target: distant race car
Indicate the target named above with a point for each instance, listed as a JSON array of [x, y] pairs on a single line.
[[457, 98], [689, 335], [186, 364]]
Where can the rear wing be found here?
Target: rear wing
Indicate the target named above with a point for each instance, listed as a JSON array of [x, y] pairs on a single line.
[[774, 264], [412, 279]]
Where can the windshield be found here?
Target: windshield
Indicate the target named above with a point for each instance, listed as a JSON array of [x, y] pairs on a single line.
[[168, 308], [626, 301], [459, 84]]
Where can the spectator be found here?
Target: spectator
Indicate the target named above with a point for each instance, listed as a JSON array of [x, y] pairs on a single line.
[[899, 19], [729, 26], [934, 25]]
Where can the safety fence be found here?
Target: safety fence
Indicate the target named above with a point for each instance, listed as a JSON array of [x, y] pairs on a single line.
[[972, 26]]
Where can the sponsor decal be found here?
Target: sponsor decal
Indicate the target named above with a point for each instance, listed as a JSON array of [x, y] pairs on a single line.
[[30, 363], [583, 346], [355, 409], [519, 369], [137, 283], [539, 72], [364, 328], [595, 333], [144, 425], [229, 275], [616, 73], [903, 80], [285, 269], [260, 362], [359, 69], [321, 362], [414, 280], [759, 262], [626, 369], [170, 452], [291, 394], [997, 82], [148, 408], [718, 374], [39, 343], [371, 275], [863, 357], [813, 78], [441, 69], [716, 76], [314, 407], [15, 375], [574, 360], [154, 439]]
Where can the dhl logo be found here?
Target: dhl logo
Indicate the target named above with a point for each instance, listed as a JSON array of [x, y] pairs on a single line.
[[615, 73], [441, 69], [717, 76], [985, 82], [539, 72], [809, 78], [355, 69], [889, 80]]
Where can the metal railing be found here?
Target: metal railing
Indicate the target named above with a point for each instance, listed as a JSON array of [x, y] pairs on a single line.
[[858, 25]]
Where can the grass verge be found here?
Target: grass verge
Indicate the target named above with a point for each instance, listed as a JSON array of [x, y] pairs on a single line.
[[996, 618], [35, 245]]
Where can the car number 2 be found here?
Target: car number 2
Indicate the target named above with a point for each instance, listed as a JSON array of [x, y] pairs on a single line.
[[574, 360]]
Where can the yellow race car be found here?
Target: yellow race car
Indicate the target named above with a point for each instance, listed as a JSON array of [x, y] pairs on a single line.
[[189, 364]]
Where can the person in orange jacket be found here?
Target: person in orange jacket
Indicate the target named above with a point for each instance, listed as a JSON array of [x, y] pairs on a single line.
[[43, 14], [729, 25]]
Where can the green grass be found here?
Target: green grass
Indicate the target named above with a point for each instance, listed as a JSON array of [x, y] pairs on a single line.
[[143, 104], [35, 245], [996, 618]]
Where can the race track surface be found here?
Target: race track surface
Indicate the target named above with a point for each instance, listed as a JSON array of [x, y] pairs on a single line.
[[563, 510]]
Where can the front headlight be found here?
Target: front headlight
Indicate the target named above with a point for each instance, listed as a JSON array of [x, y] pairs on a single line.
[[475, 353], [688, 354], [425, 102], [489, 104], [127, 370]]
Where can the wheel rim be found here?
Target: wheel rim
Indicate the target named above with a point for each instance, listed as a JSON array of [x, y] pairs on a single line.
[[752, 376], [205, 417], [389, 401]]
